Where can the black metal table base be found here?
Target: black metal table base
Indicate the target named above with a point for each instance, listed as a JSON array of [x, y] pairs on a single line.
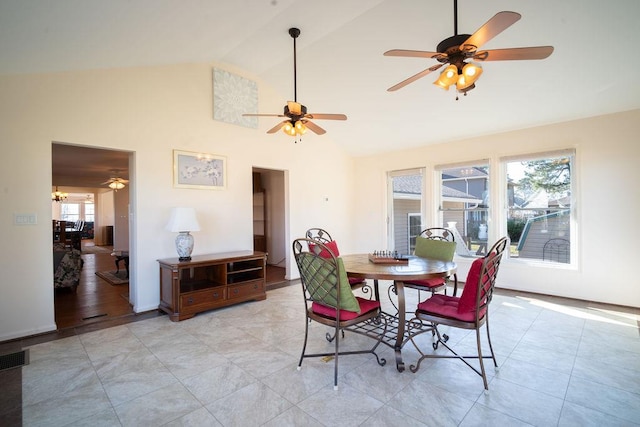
[[390, 337]]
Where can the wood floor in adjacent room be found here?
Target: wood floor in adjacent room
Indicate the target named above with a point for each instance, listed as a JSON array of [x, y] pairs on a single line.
[[95, 299]]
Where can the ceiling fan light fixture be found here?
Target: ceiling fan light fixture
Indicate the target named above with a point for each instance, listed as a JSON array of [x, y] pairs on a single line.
[[298, 120], [116, 185], [447, 77], [471, 70], [300, 127], [289, 129], [469, 75]]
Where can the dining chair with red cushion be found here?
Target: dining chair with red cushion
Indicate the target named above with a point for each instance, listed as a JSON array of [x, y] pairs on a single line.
[[469, 311], [329, 300], [434, 243], [332, 246]]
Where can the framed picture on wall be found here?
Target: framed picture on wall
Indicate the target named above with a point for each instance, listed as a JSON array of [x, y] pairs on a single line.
[[199, 170]]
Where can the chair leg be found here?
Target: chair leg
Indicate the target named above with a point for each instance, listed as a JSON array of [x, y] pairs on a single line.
[[493, 356], [335, 369], [483, 374], [455, 284], [480, 357], [304, 346]]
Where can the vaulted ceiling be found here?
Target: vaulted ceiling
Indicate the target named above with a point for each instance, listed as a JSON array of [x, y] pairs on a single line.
[[341, 69]]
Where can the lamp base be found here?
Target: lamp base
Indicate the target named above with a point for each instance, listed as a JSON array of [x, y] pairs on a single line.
[[184, 245]]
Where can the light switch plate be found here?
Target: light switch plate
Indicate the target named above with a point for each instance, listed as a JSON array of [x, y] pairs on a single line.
[[25, 219]]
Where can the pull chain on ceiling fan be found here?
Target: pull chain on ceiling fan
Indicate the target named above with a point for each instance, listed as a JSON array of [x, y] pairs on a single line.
[[298, 120], [459, 48]]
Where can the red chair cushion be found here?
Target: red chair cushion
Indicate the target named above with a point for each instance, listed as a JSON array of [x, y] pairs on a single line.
[[468, 297], [354, 280], [436, 282], [365, 307], [332, 246], [446, 306]]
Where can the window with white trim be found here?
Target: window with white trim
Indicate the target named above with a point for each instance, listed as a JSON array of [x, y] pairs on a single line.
[[464, 205], [540, 206], [70, 212], [89, 211]]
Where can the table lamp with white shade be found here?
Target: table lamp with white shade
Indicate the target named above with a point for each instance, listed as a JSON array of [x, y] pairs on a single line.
[[183, 220]]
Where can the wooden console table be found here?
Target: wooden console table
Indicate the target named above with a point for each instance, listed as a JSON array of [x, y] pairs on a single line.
[[210, 281]]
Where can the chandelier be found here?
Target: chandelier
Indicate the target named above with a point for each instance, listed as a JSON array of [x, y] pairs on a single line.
[[59, 196]]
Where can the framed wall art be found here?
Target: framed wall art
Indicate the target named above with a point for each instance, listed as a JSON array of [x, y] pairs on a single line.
[[199, 170]]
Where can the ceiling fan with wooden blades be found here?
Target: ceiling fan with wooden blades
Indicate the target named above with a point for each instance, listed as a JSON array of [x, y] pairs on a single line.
[[298, 120], [459, 49], [115, 182]]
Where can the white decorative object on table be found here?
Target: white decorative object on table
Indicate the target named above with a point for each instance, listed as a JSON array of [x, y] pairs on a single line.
[[183, 220]]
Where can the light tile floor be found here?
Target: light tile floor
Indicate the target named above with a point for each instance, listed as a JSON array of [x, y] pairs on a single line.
[[562, 363]]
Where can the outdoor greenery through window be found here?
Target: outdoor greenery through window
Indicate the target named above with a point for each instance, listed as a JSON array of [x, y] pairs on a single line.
[[539, 207], [464, 205]]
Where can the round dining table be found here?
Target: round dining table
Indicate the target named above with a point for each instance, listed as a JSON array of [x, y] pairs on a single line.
[[406, 269]]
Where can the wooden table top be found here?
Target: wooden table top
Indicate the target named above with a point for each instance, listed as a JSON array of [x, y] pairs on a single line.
[[358, 265]]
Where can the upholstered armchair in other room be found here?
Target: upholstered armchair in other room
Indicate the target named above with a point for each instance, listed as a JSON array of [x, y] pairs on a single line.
[[67, 266]]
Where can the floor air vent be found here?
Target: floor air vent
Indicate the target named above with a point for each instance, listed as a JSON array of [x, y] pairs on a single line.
[[14, 360]]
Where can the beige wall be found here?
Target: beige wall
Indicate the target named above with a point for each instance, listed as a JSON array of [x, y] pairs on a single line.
[[149, 111], [607, 172]]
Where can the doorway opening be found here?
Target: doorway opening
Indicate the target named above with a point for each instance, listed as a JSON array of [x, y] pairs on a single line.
[[269, 222], [84, 174]]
